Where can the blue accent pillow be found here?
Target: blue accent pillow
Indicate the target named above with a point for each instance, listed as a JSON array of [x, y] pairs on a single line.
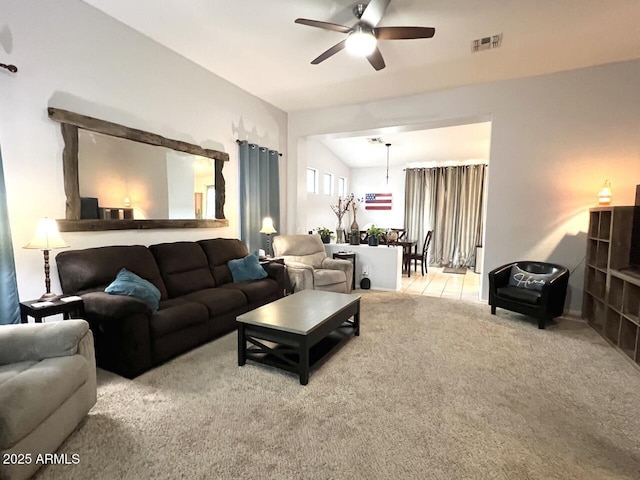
[[130, 284], [523, 279], [247, 268]]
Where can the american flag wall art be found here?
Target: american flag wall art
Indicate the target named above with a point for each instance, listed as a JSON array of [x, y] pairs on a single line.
[[377, 201]]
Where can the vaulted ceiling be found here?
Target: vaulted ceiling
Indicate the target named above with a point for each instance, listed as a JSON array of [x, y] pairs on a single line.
[[256, 45]]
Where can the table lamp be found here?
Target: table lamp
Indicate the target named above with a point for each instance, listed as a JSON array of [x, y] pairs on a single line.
[[268, 229], [47, 238], [604, 196]]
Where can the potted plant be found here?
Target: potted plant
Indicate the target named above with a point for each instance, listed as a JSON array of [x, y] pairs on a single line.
[[354, 238], [325, 234], [374, 234]]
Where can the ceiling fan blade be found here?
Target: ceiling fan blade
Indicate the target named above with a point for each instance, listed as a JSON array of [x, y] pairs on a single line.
[[374, 11], [403, 33], [376, 60], [324, 25], [332, 51]]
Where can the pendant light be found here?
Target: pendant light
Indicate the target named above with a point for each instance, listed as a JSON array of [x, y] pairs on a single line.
[[388, 145]]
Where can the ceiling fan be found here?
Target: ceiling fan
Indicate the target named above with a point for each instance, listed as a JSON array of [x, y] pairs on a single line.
[[363, 37]]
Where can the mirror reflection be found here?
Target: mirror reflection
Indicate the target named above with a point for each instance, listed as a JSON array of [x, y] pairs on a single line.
[[133, 180]]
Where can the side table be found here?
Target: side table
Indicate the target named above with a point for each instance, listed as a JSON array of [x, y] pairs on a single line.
[[280, 260], [74, 306], [352, 257], [265, 260]]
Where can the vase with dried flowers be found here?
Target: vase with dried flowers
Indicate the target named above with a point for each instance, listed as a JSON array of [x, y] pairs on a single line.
[[355, 204], [340, 209]]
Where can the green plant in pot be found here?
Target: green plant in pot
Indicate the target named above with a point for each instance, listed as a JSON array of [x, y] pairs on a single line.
[[325, 234], [354, 238], [374, 234]]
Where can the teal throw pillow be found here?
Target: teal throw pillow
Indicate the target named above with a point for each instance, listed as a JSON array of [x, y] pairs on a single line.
[[247, 268], [523, 279], [130, 284]]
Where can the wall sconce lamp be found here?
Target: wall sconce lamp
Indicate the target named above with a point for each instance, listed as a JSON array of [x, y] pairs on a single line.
[[47, 238], [604, 197], [268, 229]]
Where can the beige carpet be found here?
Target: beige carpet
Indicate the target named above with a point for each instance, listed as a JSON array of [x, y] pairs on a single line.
[[433, 389]]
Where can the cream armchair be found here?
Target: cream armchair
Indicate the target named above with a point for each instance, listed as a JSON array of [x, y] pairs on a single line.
[[308, 266], [47, 386]]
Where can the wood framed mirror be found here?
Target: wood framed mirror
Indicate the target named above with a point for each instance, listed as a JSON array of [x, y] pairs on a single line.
[[124, 216]]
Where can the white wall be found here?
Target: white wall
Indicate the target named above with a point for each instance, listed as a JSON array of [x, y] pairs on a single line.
[[319, 213], [74, 57], [554, 140], [373, 180]]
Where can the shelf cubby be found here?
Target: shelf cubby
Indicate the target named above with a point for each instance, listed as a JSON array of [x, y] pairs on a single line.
[[594, 224], [631, 302], [598, 315], [614, 299], [592, 252], [629, 338], [599, 284], [602, 255], [612, 325], [604, 229]]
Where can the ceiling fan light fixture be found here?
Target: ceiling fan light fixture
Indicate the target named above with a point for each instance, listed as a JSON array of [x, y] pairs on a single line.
[[361, 42]]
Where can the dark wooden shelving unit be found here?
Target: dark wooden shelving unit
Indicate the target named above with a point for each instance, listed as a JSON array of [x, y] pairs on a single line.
[[611, 302]]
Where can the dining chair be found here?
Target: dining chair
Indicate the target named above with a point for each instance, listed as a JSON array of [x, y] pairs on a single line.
[[421, 257]]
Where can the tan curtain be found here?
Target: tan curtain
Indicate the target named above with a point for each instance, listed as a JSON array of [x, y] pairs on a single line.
[[416, 209], [451, 205]]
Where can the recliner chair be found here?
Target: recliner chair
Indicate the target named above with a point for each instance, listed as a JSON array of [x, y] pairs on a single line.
[[47, 386], [537, 289], [308, 266]]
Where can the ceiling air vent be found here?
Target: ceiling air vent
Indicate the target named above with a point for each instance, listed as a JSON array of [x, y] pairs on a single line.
[[374, 140], [486, 43]]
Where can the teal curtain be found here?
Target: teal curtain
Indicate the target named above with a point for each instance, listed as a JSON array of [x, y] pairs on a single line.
[[259, 192], [9, 305]]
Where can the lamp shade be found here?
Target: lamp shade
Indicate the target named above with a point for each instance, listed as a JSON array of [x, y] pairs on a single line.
[[267, 226], [604, 197], [47, 236]]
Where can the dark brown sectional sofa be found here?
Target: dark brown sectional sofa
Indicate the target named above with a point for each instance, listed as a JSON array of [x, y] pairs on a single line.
[[199, 300]]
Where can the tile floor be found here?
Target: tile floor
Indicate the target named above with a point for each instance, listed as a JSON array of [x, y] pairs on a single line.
[[446, 285]]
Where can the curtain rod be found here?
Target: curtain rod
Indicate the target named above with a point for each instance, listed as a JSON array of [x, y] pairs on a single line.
[[238, 141], [445, 166], [11, 68]]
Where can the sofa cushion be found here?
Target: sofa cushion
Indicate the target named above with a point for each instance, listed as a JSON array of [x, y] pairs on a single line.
[[524, 279], [183, 266], [256, 291], [325, 277], [177, 314], [12, 369], [46, 385], [129, 284], [92, 269], [247, 268], [219, 300], [219, 251], [518, 294]]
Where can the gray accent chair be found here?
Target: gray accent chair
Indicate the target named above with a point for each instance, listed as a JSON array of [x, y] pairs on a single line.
[[308, 266], [47, 386]]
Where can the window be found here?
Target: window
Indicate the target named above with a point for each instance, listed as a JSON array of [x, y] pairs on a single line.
[[312, 180], [328, 184], [342, 187]]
